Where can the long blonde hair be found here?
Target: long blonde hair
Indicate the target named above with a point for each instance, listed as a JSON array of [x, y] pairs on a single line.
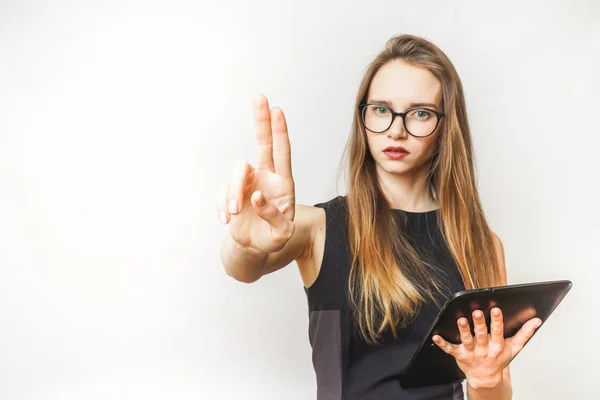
[[392, 279]]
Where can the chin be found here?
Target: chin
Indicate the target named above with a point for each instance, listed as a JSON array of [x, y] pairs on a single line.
[[396, 169]]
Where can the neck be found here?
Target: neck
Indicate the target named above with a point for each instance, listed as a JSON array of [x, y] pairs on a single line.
[[408, 191]]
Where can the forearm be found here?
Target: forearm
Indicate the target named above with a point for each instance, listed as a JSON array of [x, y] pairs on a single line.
[[242, 263], [501, 391]]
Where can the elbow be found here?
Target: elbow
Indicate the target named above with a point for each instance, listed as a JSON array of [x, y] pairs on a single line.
[[240, 268], [240, 275]]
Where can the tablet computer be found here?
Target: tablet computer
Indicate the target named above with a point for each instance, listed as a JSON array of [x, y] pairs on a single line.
[[430, 365]]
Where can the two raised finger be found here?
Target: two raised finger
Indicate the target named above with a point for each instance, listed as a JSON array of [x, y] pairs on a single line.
[[264, 137], [272, 138], [281, 144]]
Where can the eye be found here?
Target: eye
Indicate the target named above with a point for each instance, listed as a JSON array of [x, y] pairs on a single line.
[[380, 110], [422, 114]]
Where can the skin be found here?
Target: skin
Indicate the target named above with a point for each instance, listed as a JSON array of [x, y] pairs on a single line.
[[268, 230], [402, 85]]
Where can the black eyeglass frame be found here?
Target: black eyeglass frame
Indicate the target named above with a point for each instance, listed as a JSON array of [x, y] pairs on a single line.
[[362, 107]]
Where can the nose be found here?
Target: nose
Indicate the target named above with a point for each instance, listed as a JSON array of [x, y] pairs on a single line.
[[397, 131]]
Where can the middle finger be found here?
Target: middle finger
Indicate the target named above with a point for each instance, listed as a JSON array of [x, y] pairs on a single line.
[[480, 328]]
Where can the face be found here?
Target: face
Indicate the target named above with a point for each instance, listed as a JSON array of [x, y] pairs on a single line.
[[401, 86]]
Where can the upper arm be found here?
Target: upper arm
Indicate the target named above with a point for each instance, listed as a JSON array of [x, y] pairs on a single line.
[[499, 250], [298, 247]]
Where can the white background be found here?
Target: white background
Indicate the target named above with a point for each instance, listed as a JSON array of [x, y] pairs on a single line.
[[119, 119]]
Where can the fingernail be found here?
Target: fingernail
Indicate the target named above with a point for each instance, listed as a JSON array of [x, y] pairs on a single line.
[[223, 217], [233, 206], [496, 312]]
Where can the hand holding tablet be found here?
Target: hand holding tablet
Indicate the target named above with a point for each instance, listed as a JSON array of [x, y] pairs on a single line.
[[482, 330]]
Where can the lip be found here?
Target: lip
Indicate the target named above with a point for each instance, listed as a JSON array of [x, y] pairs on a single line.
[[397, 149], [395, 155]]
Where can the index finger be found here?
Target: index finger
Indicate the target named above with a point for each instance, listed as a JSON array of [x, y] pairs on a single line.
[[262, 124]]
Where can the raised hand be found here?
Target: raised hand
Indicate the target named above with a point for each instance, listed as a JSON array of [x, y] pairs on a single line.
[[259, 203]]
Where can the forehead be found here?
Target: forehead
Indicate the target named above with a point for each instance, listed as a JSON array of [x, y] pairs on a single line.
[[402, 83]]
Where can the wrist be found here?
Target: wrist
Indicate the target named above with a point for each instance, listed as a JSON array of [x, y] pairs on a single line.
[[246, 250], [487, 383], [492, 389], [243, 263]]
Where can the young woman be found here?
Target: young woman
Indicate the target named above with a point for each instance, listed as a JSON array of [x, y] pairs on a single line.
[[378, 262]]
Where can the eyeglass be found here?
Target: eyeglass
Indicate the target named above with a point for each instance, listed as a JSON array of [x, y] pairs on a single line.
[[418, 121]]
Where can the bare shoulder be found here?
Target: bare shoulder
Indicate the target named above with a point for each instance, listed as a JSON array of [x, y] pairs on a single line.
[[308, 215], [499, 251], [498, 246]]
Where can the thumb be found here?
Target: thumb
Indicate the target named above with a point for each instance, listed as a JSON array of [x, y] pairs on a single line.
[[281, 226], [520, 339]]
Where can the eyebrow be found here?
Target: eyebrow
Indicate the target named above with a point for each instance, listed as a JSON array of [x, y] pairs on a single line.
[[410, 105]]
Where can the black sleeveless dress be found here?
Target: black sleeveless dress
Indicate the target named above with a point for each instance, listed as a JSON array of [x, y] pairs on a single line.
[[347, 367]]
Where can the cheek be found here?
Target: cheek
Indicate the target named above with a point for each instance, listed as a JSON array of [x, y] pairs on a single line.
[[426, 147], [373, 142]]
